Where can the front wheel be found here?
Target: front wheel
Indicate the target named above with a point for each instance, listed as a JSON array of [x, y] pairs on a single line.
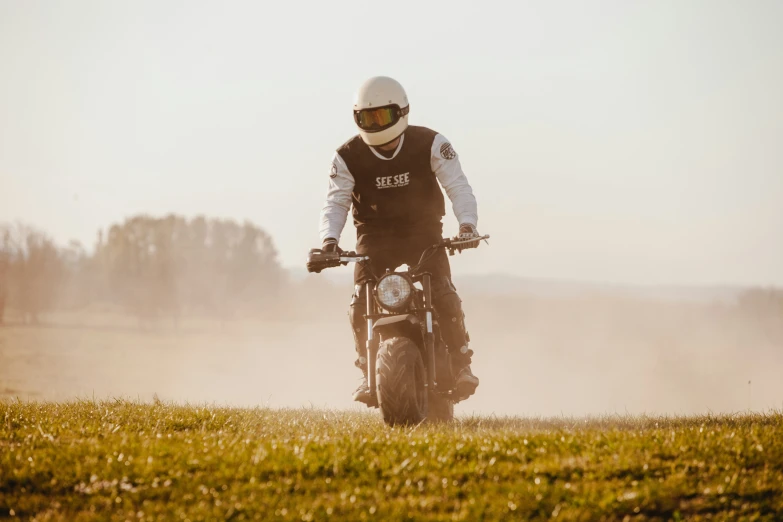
[[402, 395]]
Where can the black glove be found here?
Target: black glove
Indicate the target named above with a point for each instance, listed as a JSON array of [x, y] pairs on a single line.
[[316, 261], [330, 245], [467, 231]]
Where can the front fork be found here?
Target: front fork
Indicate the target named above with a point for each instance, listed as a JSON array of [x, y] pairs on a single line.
[[372, 339], [429, 336]]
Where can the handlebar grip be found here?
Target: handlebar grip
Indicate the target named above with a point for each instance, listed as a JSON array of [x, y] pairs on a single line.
[[317, 258]]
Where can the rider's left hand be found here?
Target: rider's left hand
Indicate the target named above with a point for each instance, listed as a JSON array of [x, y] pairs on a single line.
[[468, 231]]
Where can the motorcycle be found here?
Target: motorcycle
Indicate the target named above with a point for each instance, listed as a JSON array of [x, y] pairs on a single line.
[[408, 365]]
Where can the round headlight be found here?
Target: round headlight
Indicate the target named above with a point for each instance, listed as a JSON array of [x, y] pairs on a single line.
[[393, 291]]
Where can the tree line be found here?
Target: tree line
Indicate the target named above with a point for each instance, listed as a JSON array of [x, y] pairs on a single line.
[[168, 267], [150, 267]]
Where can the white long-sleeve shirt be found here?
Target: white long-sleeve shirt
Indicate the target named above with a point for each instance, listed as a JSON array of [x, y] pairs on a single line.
[[444, 162]]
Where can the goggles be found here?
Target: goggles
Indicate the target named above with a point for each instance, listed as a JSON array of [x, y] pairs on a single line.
[[381, 118]]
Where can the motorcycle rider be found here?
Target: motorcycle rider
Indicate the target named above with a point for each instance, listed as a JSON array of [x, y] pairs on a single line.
[[389, 173]]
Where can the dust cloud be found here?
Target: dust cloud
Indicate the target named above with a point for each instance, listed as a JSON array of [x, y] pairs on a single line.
[[605, 354], [585, 353]]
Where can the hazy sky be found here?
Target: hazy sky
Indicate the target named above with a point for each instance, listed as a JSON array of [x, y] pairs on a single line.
[[613, 141]]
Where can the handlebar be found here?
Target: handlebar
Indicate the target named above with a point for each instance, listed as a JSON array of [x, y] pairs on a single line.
[[352, 257], [451, 244], [454, 243], [318, 260]]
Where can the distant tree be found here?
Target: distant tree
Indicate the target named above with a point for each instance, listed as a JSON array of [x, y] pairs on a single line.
[[76, 285], [5, 265], [244, 268], [35, 269], [139, 265], [152, 267], [163, 266]]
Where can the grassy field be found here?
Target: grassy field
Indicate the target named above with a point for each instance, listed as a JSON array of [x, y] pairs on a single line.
[[131, 461]]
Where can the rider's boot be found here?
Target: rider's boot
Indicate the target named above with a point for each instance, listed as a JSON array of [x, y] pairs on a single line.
[[362, 393], [465, 382], [452, 321], [359, 328]]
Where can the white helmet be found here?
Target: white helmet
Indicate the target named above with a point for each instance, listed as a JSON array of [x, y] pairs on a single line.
[[380, 110]]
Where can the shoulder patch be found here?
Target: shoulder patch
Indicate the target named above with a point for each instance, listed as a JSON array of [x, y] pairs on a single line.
[[447, 151], [333, 173]]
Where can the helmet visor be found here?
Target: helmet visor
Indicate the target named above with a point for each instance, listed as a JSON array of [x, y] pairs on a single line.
[[378, 119]]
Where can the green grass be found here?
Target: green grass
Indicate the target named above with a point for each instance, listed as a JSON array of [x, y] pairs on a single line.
[[129, 461]]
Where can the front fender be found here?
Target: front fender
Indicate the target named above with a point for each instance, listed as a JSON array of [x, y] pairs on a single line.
[[399, 326]]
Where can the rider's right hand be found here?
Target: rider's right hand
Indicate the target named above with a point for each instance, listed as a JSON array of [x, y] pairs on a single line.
[[311, 266], [330, 245], [315, 260]]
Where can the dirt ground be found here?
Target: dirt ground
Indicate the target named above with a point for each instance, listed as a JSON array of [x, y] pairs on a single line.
[[534, 357], [240, 363]]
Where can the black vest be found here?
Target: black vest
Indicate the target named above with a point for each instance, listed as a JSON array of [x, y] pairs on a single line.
[[401, 194]]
